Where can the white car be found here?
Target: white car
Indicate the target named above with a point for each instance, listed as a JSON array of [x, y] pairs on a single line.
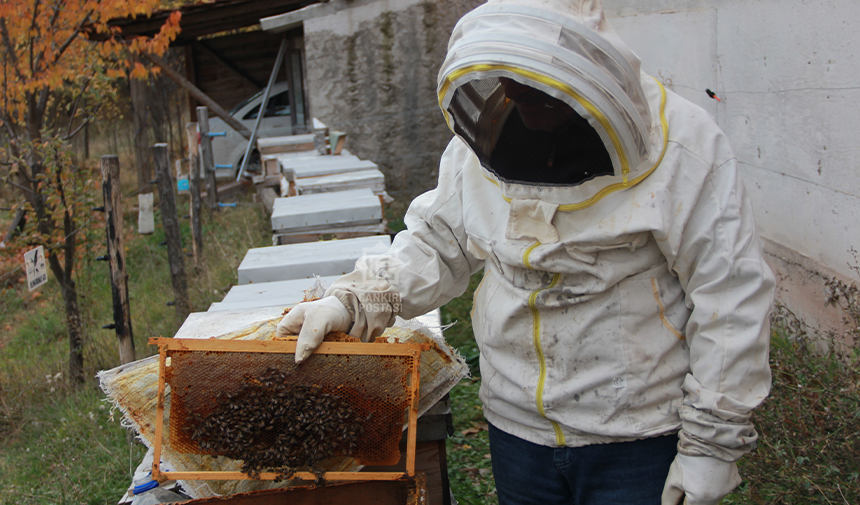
[[230, 149]]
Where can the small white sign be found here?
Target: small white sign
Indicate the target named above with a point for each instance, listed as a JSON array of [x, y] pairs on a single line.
[[37, 271], [145, 217]]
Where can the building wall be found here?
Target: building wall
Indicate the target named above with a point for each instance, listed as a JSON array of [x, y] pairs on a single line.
[[372, 73], [787, 74]]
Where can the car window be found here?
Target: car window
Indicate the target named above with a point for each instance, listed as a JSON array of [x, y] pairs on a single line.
[[279, 105], [245, 102]]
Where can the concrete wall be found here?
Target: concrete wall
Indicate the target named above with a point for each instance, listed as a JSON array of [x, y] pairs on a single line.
[[788, 77], [372, 69]]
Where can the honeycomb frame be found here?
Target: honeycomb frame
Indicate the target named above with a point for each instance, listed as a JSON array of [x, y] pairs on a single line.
[[407, 351]]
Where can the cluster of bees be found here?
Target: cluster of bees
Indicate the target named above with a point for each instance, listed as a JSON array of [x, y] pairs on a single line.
[[272, 424]]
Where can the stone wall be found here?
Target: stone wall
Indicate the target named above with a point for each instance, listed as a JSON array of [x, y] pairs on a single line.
[[371, 71]]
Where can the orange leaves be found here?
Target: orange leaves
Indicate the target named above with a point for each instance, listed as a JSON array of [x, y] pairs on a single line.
[[42, 45]]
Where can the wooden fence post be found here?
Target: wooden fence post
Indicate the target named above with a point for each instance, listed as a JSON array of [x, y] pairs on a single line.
[[194, 183], [170, 221], [116, 257], [207, 157]]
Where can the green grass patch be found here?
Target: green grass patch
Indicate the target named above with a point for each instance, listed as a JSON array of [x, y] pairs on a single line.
[[63, 445], [469, 466], [809, 427]]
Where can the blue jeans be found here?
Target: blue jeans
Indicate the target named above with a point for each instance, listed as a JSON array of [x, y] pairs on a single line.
[[629, 473]]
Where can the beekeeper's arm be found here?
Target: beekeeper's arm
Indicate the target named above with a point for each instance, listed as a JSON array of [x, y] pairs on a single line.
[[426, 266], [714, 249]]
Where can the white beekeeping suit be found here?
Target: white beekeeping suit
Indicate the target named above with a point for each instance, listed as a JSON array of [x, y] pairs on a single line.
[[628, 304]]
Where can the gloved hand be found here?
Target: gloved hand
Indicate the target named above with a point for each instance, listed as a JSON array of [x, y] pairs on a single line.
[[702, 480], [313, 321]]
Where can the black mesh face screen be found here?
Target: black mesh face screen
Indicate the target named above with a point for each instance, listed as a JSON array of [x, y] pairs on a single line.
[[478, 110]]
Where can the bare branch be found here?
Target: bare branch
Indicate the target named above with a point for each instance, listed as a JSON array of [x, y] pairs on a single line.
[[22, 188], [57, 11], [4, 32], [72, 37], [79, 128], [78, 100], [34, 61], [43, 101]]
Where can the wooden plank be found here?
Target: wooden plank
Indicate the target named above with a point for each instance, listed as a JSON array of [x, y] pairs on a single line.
[[159, 412], [286, 144], [430, 461], [206, 155], [358, 206], [213, 53], [399, 492], [296, 261], [329, 476], [289, 347], [170, 222], [116, 257], [192, 137], [198, 94]]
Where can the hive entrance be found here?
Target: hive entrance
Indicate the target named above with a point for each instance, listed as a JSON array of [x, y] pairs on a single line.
[[248, 400]]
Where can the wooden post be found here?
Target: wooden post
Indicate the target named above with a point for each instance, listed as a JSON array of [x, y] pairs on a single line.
[[194, 183], [116, 257], [207, 157], [170, 221], [137, 89]]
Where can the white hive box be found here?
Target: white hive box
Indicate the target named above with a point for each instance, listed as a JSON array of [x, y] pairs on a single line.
[[371, 179], [298, 261], [326, 210], [268, 294], [297, 168]]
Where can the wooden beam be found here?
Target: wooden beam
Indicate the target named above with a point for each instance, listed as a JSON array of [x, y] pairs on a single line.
[[170, 222], [221, 60], [194, 183], [204, 18], [199, 95], [116, 257], [191, 75]]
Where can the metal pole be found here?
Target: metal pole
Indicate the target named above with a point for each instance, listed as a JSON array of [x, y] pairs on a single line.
[[262, 111], [207, 157]]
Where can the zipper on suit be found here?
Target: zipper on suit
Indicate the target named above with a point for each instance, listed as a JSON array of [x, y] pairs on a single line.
[[559, 436]]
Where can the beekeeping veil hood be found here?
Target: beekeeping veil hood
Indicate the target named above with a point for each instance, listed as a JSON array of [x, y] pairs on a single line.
[[564, 48]]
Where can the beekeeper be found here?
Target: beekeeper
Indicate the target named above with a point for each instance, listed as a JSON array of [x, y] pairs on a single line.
[[622, 316]]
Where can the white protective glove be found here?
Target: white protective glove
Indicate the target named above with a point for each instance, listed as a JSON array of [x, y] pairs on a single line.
[[702, 480], [313, 321]]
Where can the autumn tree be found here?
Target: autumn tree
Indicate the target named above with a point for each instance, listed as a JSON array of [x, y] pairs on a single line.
[[53, 82]]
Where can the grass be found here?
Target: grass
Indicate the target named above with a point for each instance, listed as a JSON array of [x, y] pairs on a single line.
[[469, 466], [64, 445], [809, 427]]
